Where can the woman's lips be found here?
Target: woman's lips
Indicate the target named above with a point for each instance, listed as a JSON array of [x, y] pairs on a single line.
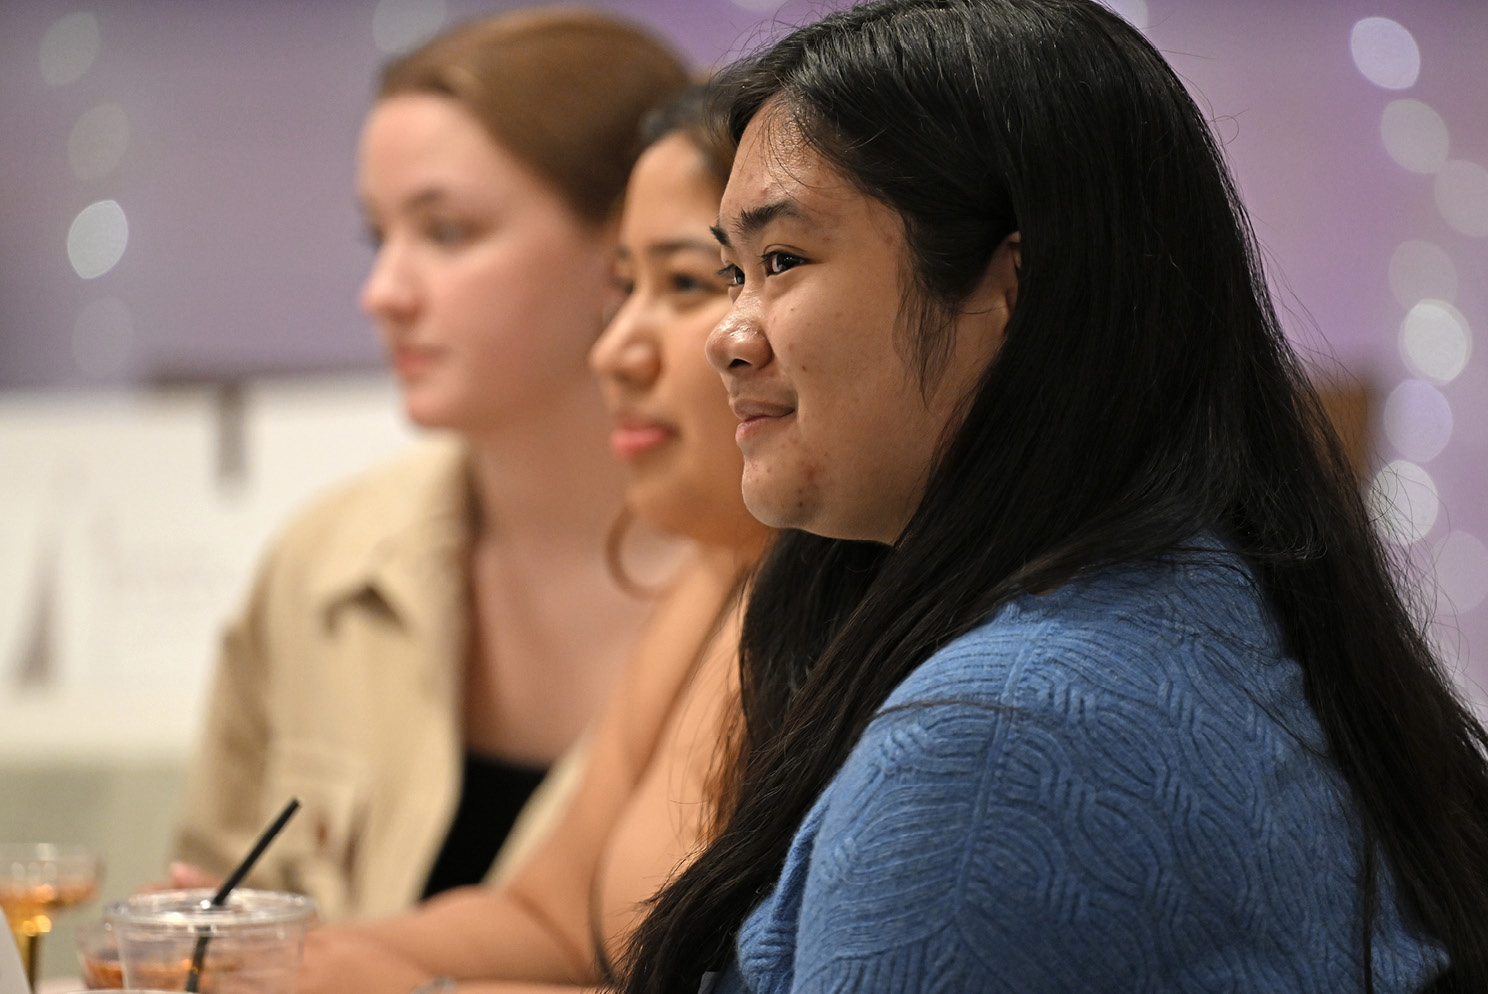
[[409, 361], [631, 440], [756, 416]]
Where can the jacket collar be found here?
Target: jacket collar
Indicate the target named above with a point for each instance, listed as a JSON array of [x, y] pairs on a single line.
[[404, 540]]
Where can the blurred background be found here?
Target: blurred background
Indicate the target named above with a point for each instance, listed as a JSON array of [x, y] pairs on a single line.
[[182, 360]]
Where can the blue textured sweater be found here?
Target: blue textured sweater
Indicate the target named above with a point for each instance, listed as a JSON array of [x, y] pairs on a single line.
[[1114, 787]]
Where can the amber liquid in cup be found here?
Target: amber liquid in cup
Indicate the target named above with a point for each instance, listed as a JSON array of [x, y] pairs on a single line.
[[98, 957], [249, 945]]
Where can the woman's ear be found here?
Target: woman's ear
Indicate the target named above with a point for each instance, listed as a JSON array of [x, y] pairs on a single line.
[[997, 293], [1008, 261]]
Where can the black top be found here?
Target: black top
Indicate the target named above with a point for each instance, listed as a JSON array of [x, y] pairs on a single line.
[[492, 794]]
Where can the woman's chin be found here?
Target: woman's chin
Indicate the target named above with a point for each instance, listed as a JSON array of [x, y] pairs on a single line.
[[427, 412], [661, 508]]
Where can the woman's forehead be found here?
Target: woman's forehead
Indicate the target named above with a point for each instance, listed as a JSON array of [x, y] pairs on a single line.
[[781, 180]]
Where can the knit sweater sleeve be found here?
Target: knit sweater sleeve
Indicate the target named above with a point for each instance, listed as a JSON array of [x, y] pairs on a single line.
[[1033, 812]]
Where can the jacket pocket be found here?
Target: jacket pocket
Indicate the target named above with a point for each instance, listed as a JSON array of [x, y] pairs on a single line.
[[319, 845]]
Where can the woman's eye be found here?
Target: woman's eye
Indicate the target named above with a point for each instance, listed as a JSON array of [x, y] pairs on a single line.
[[447, 232], [776, 263], [732, 275], [694, 283]]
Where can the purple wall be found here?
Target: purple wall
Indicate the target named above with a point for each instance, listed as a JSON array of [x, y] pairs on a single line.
[[244, 248], [244, 252]]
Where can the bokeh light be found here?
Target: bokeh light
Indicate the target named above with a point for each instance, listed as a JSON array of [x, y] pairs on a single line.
[[1415, 135], [97, 239], [1421, 270], [1404, 502], [103, 338], [1417, 420], [1462, 571], [69, 48], [1462, 196], [98, 141], [1435, 340], [398, 25], [1385, 52]]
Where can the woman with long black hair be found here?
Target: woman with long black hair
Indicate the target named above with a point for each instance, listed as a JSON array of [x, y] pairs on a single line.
[[1083, 668]]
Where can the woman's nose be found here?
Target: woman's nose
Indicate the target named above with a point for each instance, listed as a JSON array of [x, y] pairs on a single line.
[[737, 343], [626, 351], [388, 292]]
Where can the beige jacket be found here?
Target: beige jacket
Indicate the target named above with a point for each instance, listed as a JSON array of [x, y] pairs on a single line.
[[338, 684]]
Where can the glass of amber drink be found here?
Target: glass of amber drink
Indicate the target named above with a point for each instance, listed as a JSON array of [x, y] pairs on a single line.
[[39, 880], [98, 956], [178, 940]]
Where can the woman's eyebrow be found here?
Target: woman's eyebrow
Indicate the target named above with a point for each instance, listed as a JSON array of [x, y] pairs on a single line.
[[752, 219], [680, 245]]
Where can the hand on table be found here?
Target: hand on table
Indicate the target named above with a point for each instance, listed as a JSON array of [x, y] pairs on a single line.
[[183, 876], [186, 876]]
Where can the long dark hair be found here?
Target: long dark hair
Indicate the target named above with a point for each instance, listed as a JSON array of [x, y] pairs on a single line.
[[1144, 393]]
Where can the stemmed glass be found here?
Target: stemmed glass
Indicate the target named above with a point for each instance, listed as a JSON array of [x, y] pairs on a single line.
[[37, 880]]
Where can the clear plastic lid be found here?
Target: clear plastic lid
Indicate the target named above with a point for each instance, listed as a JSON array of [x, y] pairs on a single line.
[[192, 911]]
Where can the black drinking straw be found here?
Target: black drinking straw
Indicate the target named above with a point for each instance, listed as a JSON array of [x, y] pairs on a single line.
[[199, 954]]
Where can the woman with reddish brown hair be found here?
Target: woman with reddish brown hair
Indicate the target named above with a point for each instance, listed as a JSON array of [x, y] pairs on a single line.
[[423, 645]]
